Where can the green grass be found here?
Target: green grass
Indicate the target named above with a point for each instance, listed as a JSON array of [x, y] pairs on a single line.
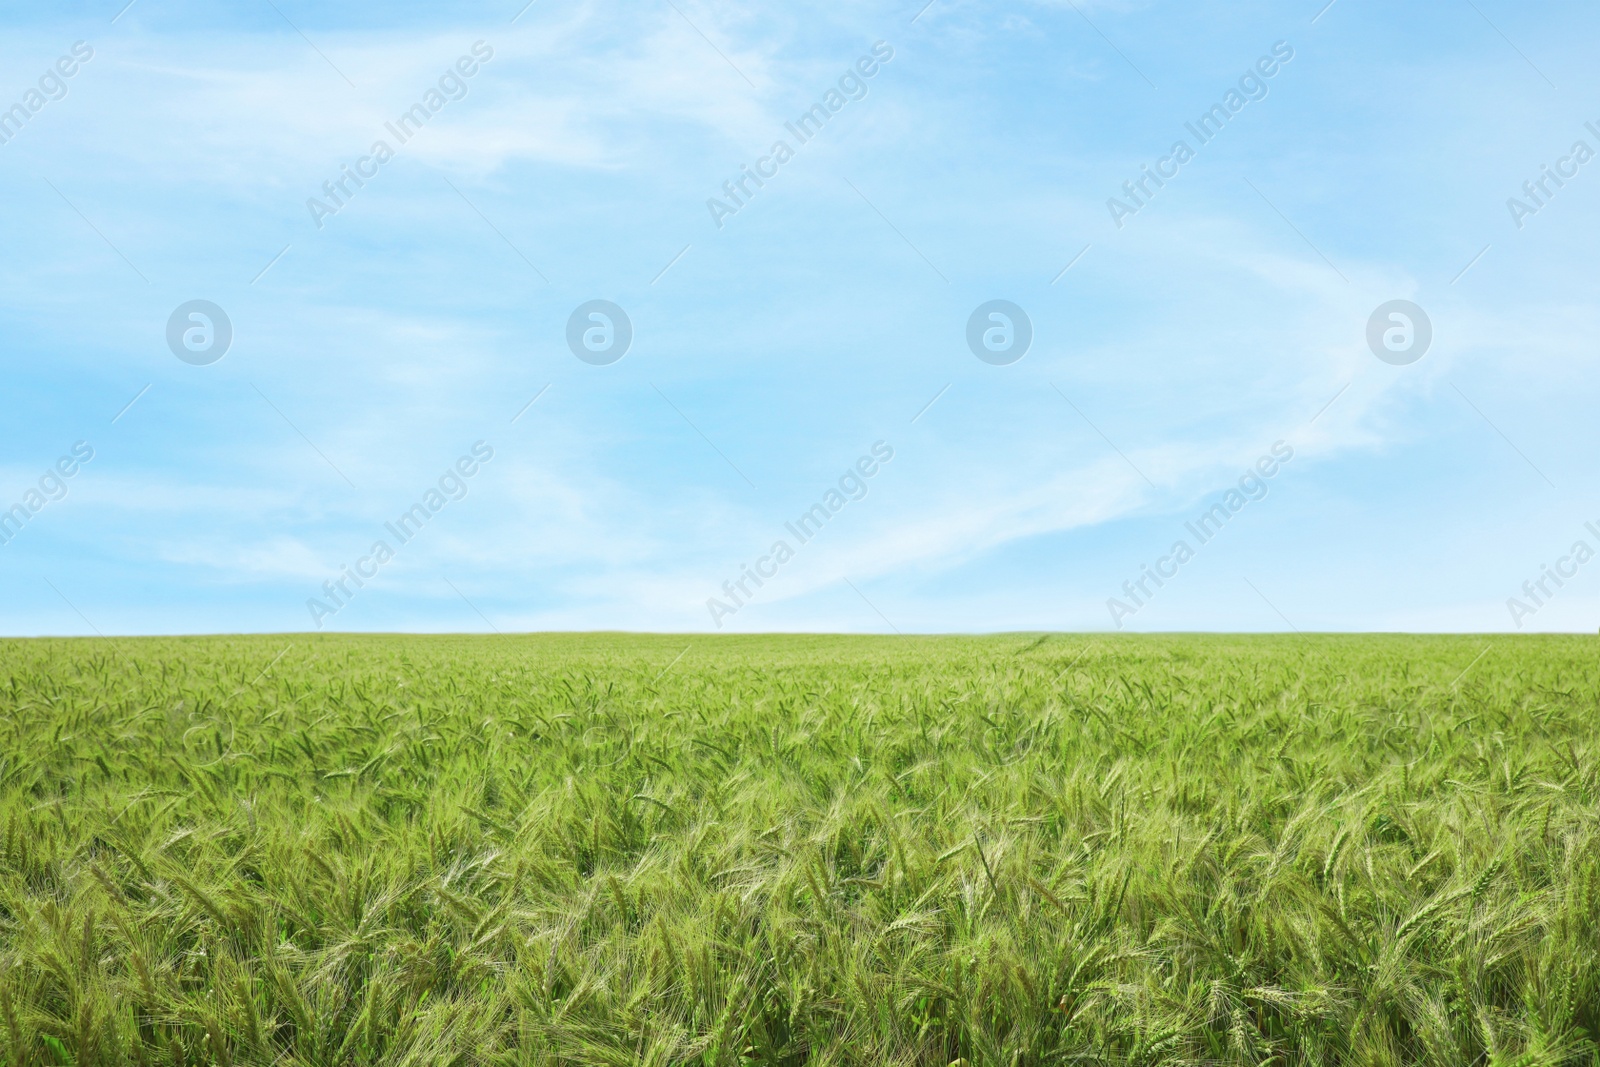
[[1009, 850]]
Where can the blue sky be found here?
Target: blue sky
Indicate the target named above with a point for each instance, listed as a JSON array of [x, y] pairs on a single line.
[[1229, 313]]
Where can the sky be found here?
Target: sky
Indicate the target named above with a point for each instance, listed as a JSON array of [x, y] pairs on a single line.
[[420, 317]]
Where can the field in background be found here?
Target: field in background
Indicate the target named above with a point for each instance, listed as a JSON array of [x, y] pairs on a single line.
[[799, 850]]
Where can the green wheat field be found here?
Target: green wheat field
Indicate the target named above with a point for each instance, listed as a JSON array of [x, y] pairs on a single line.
[[613, 849]]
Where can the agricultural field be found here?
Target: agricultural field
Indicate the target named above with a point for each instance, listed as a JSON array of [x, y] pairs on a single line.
[[613, 849]]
